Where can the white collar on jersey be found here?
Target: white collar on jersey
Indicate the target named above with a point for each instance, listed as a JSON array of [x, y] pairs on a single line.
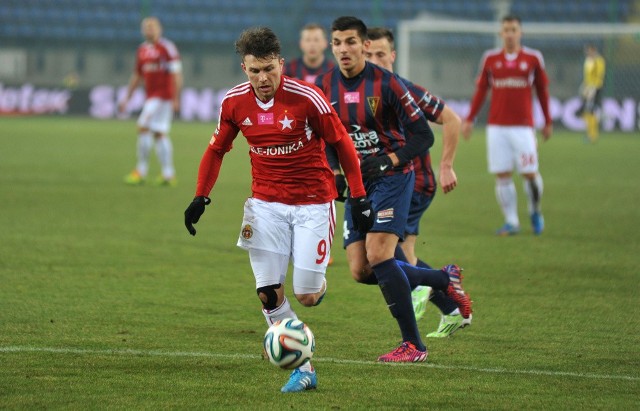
[[267, 105]]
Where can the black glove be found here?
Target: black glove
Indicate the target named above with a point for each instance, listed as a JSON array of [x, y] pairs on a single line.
[[194, 211], [341, 186], [374, 167], [361, 214]]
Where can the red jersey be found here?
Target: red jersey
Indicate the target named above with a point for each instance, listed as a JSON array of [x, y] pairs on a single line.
[[156, 63], [286, 139], [511, 79]]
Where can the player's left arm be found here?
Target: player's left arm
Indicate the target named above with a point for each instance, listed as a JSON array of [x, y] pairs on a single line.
[[435, 110], [450, 137], [174, 66], [541, 83]]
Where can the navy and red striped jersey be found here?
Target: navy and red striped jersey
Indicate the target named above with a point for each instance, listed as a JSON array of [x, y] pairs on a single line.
[[297, 69], [375, 107], [432, 107]]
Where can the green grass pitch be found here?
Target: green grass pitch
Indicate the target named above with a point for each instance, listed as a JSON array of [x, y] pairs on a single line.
[[107, 302]]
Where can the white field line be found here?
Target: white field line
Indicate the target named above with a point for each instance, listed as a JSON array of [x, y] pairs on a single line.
[[196, 354]]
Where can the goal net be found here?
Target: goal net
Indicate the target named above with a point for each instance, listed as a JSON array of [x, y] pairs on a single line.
[[444, 56]]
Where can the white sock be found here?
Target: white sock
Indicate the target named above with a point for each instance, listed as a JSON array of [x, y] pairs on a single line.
[[508, 200], [533, 189], [455, 312], [279, 313], [145, 143], [164, 149]]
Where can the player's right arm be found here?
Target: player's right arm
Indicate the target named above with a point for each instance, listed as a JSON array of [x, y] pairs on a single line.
[[482, 86], [220, 144], [209, 169], [133, 84]]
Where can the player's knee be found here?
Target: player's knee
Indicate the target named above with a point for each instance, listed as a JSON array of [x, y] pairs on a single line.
[[269, 296], [308, 300]]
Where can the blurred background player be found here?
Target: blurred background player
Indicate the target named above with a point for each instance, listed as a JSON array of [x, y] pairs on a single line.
[[591, 90], [377, 109], [313, 44], [512, 73], [159, 67], [291, 213], [381, 51]]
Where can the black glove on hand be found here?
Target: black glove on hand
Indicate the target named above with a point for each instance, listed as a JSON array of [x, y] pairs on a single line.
[[194, 211], [361, 214], [341, 186], [374, 167]]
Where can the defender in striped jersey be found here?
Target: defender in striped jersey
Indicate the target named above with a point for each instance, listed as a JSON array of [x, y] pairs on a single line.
[[313, 62], [378, 110], [381, 51], [290, 215]]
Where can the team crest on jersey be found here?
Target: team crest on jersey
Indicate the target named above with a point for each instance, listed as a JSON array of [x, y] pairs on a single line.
[[373, 103], [286, 122], [523, 66], [247, 232]]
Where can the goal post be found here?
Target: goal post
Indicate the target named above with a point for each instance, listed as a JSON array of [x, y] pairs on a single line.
[[443, 55]]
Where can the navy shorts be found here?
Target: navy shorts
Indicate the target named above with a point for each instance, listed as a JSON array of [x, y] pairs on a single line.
[[390, 198], [419, 204]]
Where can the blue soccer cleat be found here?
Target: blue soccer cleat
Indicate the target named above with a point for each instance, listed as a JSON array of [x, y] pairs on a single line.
[[301, 381], [323, 294], [507, 230], [537, 222]]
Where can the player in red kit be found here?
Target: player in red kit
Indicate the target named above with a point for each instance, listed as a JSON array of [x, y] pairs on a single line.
[[158, 65], [291, 214], [378, 111], [313, 43], [512, 73]]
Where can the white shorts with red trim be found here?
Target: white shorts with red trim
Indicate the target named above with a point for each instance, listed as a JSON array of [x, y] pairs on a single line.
[[510, 147]]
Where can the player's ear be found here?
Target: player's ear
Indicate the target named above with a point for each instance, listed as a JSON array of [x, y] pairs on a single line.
[[244, 68]]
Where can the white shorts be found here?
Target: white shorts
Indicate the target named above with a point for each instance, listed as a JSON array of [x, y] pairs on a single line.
[[275, 233], [156, 115], [512, 145]]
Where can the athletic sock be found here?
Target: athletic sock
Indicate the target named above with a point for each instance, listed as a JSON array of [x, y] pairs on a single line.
[[145, 143], [279, 313], [436, 279], [164, 150], [508, 200], [533, 189], [422, 264], [397, 293], [399, 254], [445, 304]]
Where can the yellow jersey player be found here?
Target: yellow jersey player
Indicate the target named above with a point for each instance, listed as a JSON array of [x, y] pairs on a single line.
[[591, 90]]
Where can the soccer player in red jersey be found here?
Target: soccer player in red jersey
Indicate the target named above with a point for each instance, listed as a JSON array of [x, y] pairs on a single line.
[[380, 50], [313, 43], [378, 110], [512, 73], [291, 213], [158, 65]]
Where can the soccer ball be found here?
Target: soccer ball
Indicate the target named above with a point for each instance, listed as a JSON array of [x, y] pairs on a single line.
[[289, 343]]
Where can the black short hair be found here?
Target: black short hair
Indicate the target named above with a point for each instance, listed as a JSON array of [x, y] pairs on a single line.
[[350, 23], [260, 42], [377, 33], [512, 17]]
